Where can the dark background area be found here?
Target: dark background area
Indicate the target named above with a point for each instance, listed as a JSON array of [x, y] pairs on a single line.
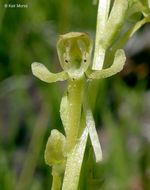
[[29, 108]]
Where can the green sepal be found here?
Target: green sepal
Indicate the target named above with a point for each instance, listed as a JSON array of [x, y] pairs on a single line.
[[74, 51]]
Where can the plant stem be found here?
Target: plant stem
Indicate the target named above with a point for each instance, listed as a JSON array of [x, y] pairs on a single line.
[[75, 96], [75, 147]]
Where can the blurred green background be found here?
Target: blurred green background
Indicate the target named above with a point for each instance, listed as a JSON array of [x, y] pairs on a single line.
[[29, 108]]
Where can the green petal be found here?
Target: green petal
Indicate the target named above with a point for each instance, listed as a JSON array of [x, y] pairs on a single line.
[[41, 72], [116, 67]]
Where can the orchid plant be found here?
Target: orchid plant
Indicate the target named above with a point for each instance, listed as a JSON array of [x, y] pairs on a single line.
[[65, 153]]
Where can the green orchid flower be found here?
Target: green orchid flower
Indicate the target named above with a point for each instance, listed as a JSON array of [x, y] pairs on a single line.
[[74, 51], [65, 153]]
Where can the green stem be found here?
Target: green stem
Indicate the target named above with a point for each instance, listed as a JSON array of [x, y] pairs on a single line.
[[75, 96], [75, 147]]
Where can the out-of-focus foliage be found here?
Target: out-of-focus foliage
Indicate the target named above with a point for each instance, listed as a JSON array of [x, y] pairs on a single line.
[[29, 108]]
